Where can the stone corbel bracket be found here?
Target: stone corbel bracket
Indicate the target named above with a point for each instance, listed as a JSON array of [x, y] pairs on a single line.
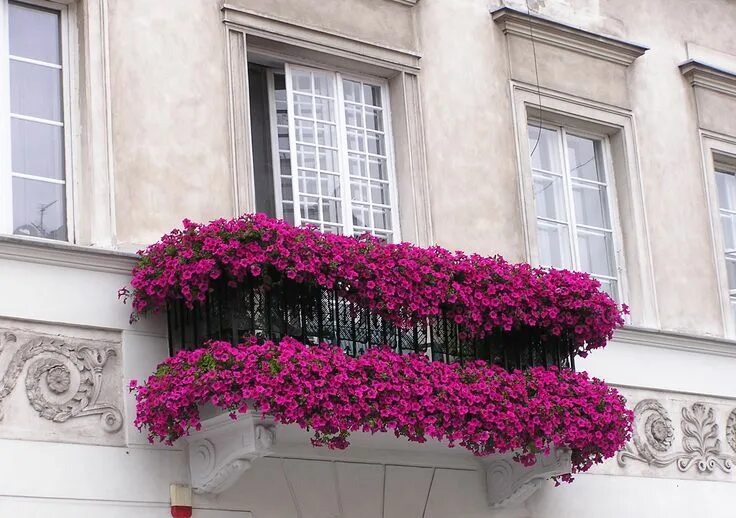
[[509, 483], [225, 448]]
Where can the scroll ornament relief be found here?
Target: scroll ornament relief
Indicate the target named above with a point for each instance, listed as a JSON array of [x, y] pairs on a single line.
[[54, 390], [701, 445]]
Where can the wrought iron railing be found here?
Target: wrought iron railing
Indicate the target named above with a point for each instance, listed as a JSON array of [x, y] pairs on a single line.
[[314, 315]]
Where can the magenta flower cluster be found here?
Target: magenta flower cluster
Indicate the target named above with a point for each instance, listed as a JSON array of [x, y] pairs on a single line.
[[485, 409], [402, 282]]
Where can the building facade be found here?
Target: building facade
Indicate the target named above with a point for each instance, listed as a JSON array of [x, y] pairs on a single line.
[[547, 131]]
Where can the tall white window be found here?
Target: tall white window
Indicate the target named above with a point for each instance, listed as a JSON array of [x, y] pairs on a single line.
[[573, 204], [33, 181], [726, 185], [330, 150]]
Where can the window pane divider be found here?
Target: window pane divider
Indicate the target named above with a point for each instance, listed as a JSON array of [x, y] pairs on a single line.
[[292, 146], [31, 61], [592, 227], [38, 178], [31, 118]]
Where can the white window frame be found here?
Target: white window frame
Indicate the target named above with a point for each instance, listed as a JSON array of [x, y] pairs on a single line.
[[346, 197], [619, 126], [562, 131], [67, 34], [717, 149]]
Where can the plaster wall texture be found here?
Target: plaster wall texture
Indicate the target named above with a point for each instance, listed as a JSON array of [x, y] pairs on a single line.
[[171, 152]]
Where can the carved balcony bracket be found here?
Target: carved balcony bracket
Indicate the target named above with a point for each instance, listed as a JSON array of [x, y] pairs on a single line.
[[225, 448], [509, 483]]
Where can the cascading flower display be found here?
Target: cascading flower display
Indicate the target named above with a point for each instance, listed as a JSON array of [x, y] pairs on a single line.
[[403, 283], [485, 409]]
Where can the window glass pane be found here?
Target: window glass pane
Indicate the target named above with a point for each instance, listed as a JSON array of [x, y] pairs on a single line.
[[361, 215], [352, 91], [380, 193], [554, 244], [35, 91], [324, 109], [326, 135], [304, 130], [731, 270], [306, 156], [596, 252], [39, 209], [549, 196], [545, 149], [359, 191], [584, 155], [376, 145], [353, 115], [372, 95], [34, 33], [378, 168], [382, 218], [726, 186], [356, 139], [330, 185], [374, 119], [728, 222], [308, 181], [609, 286], [591, 204], [301, 81], [323, 84], [309, 207], [303, 106], [357, 165], [37, 148], [328, 160], [331, 211]]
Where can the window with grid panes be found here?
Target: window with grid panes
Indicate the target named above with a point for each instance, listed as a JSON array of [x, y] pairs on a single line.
[[34, 178], [726, 186], [573, 204], [329, 149]]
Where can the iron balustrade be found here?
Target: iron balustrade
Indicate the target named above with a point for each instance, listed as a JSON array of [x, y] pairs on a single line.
[[314, 315]]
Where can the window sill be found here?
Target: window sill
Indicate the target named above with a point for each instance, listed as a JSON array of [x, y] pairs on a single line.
[[57, 253]]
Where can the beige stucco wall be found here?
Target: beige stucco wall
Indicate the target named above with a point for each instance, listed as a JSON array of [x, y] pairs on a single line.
[[171, 148]]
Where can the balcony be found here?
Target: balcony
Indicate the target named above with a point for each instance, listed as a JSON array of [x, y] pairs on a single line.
[[359, 342], [315, 315]]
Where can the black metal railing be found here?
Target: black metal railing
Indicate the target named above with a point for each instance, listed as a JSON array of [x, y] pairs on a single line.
[[314, 315]]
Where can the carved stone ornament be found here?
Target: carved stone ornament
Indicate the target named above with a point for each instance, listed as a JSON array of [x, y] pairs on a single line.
[[701, 445], [223, 449], [731, 430], [509, 483], [63, 379]]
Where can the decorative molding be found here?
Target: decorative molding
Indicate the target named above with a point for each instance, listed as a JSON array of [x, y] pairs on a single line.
[[509, 483], [410, 3], [241, 161], [63, 379], [57, 253], [314, 38], [701, 445], [676, 341], [568, 37], [224, 448], [709, 77]]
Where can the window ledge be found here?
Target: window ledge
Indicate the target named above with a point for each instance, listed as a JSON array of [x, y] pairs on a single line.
[[558, 34], [676, 341], [709, 76], [65, 254], [410, 3]]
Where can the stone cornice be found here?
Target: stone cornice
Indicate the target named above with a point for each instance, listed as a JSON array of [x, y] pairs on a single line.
[[676, 341], [410, 3], [57, 253], [315, 38], [558, 34], [710, 77]]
